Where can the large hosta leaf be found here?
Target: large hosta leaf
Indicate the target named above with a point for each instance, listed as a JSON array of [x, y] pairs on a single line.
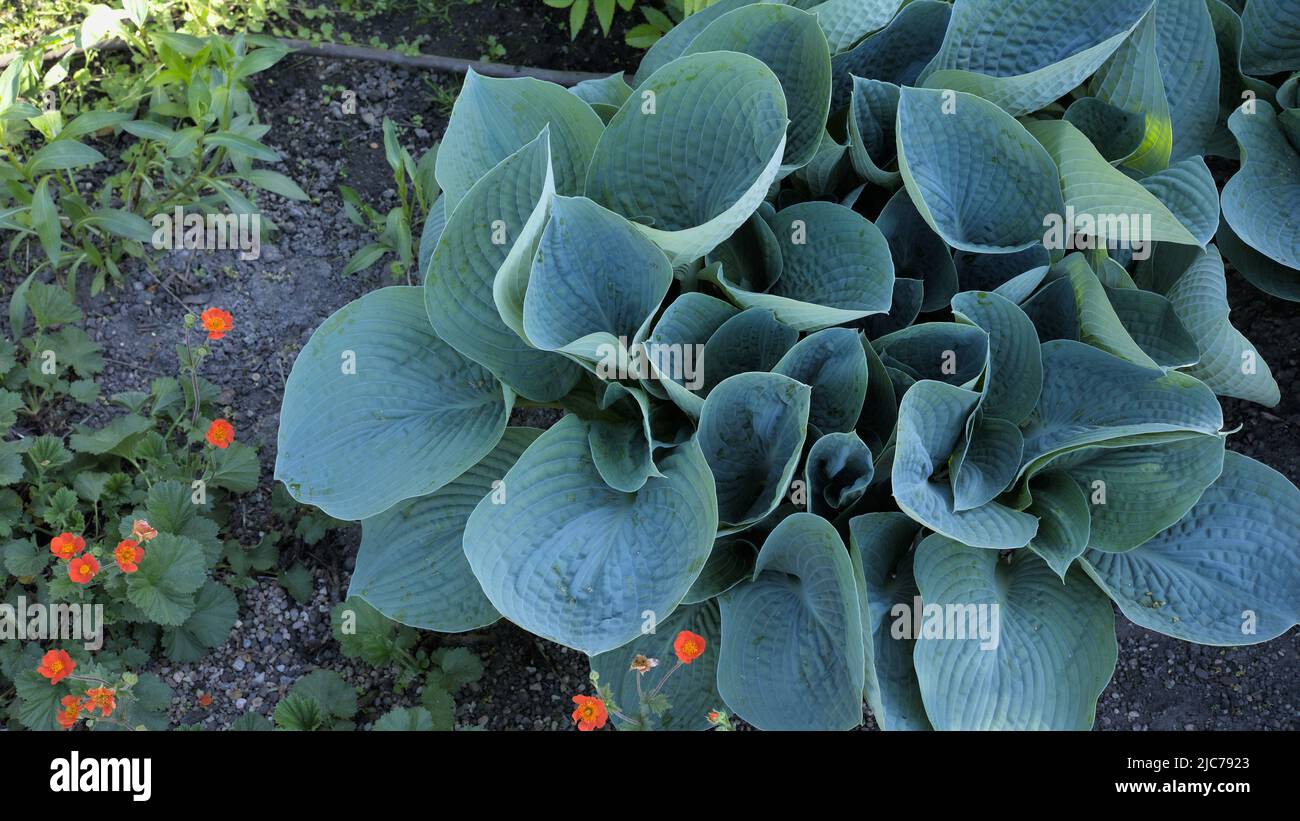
[[1015, 370], [792, 642], [752, 340], [658, 163], [1270, 36], [1227, 573], [682, 332], [691, 693], [576, 562], [752, 432], [1262, 201], [411, 565], [1189, 68], [847, 21], [979, 179], [502, 213], [1131, 80], [493, 118], [834, 365], [679, 37], [378, 409], [896, 54], [1023, 54], [1042, 665]]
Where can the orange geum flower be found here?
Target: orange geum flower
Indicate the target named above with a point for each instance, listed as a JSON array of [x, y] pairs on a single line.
[[128, 555], [70, 713], [205, 700], [56, 665], [102, 697], [590, 713], [221, 433], [688, 646], [67, 545], [82, 569], [142, 531], [217, 322]]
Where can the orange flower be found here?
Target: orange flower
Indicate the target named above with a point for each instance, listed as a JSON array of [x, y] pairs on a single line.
[[70, 713], [688, 646], [714, 716], [67, 545], [56, 665], [590, 713], [205, 700], [141, 530], [128, 555], [217, 322], [101, 697], [221, 433], [82, 569]]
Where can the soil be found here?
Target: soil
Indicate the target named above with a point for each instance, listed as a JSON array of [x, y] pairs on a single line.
[[280, 298]]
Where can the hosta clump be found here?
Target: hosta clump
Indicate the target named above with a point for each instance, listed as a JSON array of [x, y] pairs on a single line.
[[950, 277]]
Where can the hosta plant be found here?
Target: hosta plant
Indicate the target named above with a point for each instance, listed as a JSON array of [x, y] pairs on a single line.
[[889, 342]]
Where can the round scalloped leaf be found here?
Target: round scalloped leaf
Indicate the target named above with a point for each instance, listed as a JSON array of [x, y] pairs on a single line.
[[1041, 666], [792, 644], [590, 311], [164, 586], [378, 409], [501, 214], [657, 163], [1024, 54], [834, 365], [691, 693], [556, 556], [836, 268], [977, 177], [1226, 574], [411, 565], [752, 431], [931, 421], [493, 118], [1270, 36], [1262, 201], [789, 42]]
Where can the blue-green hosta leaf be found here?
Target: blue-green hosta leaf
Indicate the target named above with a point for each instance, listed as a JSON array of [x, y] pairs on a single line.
[[931, 421], [836, 268], [789, 42], [1131, 80], [1262, 201], [752, 431], [621, 442], [1233, 84], [1099, 324], [1226, 574], [607, 91], [1020, 287], [1188, 190], [585, 310], [918, 252], [908, 296], [1015, 370], [872, 115], [986, 461], [1154, 325], [1114, 132], [979, 179], [434, 223], [682, 331], [731, 561], [946, 351], [752, 340], [1024, 54], [673, 44], [1229, 363], [691, 693], [1268, 275], [834, 365], [848, 21], [411, 565], [506, 208], [880, 409], [896, 54], [881, 543], [828, 168], [751, 256], [837, 473], [792, 642], [1041, 667], [404, 412], [493, 118], [1063, 520], [1090, 397], [984, 272], [1188, 56], [556, 557], [657, 165], [1270, 36], [1104, 202]]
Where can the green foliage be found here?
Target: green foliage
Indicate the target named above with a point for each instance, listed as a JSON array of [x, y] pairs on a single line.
[[720, 275], [643, 35]]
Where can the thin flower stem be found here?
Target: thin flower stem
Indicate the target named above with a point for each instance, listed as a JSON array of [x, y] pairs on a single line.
[[664, 680]]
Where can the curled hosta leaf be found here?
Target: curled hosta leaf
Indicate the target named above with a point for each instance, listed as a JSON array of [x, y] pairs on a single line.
[[1188, 56], [655, 165], [1131, 80], [621, 442], [1270, 36], [1262, 201], [752, 431], [1036, 662], [493, 118], [752, 340], [1114, 132], [405, 412], [985, 461], [979, 179], [1233, 84], [896, 54], [609, 92], [947, 351], [731, 561], [555, 557], [411, 565], [673, 44], [918, 252], [1225, 574], [682, 331], [1063, 520], [847, 21], [838, 471], [502, 212], [873, 149], [1187, 189], [792, 641], [1015, 370], [834, 365]]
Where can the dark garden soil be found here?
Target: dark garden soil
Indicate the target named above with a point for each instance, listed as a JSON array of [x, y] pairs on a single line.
[[280, 298]]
